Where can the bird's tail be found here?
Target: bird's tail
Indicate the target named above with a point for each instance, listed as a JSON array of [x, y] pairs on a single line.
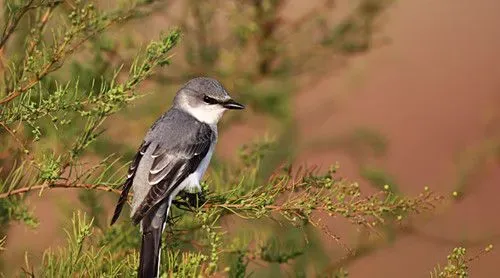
[[152, 228], [150, 254]]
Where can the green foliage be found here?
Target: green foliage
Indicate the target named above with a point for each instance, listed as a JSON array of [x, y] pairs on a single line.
[[80, 257], [281, 251], [70, 103], [99, 249], [238, 267], [52, 118], [19, 212], [458, 264], [186, 264], [49, 171]]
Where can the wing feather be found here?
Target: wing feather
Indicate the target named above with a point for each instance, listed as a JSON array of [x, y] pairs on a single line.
[[128, 182], [171, 165]]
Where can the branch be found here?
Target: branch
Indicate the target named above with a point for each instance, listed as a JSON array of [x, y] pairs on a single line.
[[12, 23], [36, 38], [57, 61], [58, 185], [19, 142]]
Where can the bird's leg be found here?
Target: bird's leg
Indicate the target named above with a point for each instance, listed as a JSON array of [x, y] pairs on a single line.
[[190, 200], [197, 199], [181, 203]]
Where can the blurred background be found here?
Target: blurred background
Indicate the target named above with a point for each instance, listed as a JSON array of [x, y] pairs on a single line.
[[405, 93]]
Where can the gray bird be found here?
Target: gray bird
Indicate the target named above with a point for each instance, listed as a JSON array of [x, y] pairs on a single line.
[[172, 158]]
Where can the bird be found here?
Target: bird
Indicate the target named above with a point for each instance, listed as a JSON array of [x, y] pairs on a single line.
[[172, 158]]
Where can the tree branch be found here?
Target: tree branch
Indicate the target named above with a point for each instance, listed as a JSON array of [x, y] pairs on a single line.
[[58, 185], [18, 140], [11, 25], [57, 61]]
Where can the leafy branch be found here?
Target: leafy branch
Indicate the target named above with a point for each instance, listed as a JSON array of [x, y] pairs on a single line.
[[13, 21], [309, 194], [41, 59], [34, 100], [42, 187], [458, 263], [85, 23]]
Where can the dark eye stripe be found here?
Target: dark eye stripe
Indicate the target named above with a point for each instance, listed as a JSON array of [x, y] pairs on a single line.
[[210, 100]]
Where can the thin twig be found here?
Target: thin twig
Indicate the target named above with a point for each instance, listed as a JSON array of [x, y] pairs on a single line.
[[36, 40], [57, 60], [59, 185], [12, 23], [323, 227], [18, 141]]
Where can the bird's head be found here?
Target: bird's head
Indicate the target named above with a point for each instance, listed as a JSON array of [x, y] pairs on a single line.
[[205, 99]]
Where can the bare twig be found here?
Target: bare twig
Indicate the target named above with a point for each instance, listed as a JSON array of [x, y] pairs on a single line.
[[59, 185], [323, 227], [18, 141]]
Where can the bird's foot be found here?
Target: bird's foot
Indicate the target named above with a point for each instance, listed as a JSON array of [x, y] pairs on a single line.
[[190, 200]]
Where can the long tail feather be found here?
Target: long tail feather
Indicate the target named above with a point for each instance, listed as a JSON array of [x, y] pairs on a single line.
[[152, 228], [150, 254]]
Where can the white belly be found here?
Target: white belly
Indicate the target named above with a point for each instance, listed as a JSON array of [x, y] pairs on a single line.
[[192, 182]]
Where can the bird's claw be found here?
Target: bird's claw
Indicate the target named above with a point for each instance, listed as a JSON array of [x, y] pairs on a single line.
[[190, 200]]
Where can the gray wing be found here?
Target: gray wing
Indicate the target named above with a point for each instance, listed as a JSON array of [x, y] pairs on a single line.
[[177, 154], [128, 182]]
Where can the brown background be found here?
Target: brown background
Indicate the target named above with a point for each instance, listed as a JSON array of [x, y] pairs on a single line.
[[434, 92]]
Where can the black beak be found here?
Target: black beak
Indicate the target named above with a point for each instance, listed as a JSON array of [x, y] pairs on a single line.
[[231, 104]]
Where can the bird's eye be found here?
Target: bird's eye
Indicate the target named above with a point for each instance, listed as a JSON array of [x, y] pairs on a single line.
[[210, 100]]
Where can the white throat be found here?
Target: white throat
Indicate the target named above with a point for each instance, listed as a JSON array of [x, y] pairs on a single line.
[[209, 114]]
